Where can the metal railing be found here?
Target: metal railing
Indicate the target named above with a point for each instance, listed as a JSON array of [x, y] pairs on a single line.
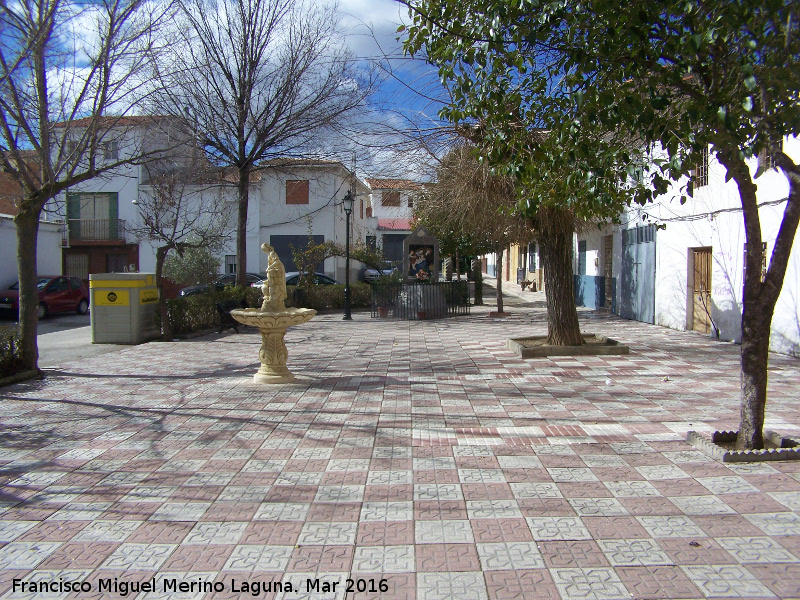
[[413, 301], [84, 230]]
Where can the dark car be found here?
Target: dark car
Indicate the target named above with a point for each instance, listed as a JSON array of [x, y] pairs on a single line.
[[56, 294], [293, 278], [220, 283]]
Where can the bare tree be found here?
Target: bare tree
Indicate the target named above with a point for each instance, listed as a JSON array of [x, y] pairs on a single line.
[[67, 71], [181, 209], [259, 79], [468, 200]]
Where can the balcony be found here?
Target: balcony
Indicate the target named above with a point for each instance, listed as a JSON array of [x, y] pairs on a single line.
[[94, 230]]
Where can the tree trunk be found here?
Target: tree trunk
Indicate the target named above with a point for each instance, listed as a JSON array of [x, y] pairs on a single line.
[[500, 279], [555, 241], [166, 326], [760, 296], [241, 226], [458, 266], [27, 222]]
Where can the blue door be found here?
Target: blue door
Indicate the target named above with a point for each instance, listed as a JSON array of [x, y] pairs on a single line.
[[638, 274]]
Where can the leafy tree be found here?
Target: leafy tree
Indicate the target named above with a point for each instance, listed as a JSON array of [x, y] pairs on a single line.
[[505, 99], [680, 75], [195, 266], [309, 259]]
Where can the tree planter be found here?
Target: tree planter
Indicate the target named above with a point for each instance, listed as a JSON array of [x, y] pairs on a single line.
[[783, 448], [383, 312], [594, 345]]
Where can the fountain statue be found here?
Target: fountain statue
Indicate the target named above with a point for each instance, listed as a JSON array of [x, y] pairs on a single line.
[[272, 320]]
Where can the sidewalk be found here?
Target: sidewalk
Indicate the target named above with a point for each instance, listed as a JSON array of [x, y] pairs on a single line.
[[422, 455]]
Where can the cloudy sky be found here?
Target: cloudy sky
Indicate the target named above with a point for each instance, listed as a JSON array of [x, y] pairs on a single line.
[[409, 96]]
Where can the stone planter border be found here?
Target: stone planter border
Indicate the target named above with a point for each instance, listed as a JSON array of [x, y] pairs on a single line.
[[789, 447], [606, 347]]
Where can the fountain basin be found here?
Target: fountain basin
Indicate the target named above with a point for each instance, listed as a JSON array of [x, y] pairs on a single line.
[[273, 326], [289, 317]]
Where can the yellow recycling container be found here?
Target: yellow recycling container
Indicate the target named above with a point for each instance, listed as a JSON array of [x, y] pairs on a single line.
[[123, 307]]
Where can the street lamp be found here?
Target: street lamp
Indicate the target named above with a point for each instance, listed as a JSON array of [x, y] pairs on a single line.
[[347, 202]]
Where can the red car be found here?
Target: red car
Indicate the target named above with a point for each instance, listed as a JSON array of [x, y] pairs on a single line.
[[56, 294]]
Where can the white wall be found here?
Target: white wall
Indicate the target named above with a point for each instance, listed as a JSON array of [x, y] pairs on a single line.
[[713, 218], [391, 212], [48, 255]]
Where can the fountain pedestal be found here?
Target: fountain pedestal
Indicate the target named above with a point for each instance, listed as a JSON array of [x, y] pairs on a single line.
[[273, 326]]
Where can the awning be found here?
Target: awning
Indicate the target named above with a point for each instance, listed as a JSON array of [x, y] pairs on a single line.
[[395, 224]]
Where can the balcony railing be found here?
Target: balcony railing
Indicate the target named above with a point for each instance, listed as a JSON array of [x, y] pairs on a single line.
[[92, 230]]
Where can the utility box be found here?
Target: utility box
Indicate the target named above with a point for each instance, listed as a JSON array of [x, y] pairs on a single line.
[[123, 307]]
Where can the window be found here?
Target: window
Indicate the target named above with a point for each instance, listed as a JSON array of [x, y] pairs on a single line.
[[369, 212], [297, 191], [390, 198], [700, 172], [582, 257], [75, 283], [361, 209], [94, 217], [230, 263], [111, 150], [410, 202]]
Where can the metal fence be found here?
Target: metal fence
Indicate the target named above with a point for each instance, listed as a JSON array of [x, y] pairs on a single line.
[[412, 301]]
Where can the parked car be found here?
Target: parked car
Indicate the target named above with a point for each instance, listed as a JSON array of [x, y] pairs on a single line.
[[220, 283], [56, 294], [293, 278], [369, 274]]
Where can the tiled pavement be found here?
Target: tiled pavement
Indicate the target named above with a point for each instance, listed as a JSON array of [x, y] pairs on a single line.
[[424, 454]]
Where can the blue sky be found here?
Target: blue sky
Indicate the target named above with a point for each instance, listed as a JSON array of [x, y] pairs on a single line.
[[410, 94]]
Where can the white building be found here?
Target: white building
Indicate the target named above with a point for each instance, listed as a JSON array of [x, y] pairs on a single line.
[[392, 211], [689, 275], [291, 201]]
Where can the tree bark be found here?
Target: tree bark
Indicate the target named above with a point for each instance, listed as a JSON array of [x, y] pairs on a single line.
[[499, 265], [760, 296], [241, 226], [556, 227], [166, 326], [27, 222]]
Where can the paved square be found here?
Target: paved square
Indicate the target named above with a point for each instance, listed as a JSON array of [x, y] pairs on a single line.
[[422, 454]]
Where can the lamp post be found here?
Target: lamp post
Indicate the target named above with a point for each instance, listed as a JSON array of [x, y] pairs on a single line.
[[348, 210]]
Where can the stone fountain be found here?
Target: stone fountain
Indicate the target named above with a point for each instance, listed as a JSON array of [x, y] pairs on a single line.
[[272, 320]]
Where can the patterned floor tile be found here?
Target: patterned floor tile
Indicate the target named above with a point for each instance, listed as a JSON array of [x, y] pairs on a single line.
[[445, 586], [557, 528], [634, 553], [756, 550], [594, 583], [726, 581], [510, 556]]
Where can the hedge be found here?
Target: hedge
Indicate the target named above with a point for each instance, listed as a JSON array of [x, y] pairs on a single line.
[[10, 359], [199, 312]]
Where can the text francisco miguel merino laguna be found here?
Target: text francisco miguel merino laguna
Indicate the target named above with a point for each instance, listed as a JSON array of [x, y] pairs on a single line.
[[122, 587]]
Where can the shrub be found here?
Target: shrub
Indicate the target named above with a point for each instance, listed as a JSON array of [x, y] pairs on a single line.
[[199, 312], [196, 313], [10, 360], [323, 297]]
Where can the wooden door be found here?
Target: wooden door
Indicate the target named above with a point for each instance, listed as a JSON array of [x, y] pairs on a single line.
[[701, 293]]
